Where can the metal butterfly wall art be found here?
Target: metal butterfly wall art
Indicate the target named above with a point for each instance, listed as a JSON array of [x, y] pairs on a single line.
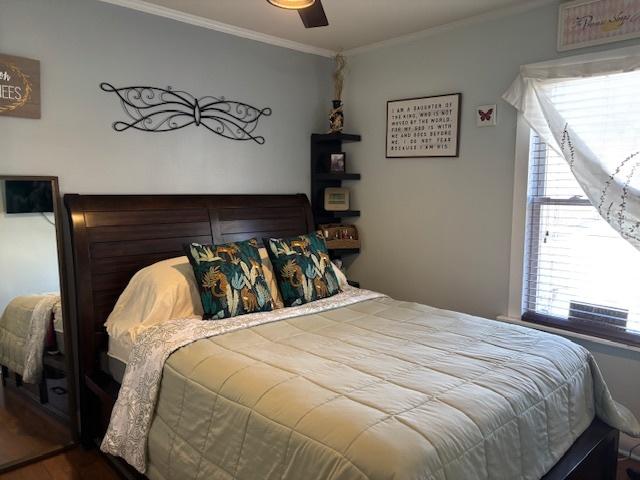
[[152, 109]]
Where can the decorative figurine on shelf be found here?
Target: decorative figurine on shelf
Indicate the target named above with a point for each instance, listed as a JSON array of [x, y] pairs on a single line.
[[338, 235], [336, 118]]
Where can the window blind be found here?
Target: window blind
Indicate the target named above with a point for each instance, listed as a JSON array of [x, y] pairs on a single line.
[[578, 269]]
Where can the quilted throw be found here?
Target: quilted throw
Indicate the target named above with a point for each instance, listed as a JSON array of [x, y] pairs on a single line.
[[23, 328], [355, 387]]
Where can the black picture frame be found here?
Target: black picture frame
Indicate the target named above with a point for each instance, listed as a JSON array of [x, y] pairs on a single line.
[[337, 162], [456, 129]]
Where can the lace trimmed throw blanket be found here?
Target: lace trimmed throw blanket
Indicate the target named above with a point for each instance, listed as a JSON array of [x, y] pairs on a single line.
[[132, 414]]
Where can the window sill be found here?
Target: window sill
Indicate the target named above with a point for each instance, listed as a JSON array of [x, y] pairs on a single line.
[[568, 333]]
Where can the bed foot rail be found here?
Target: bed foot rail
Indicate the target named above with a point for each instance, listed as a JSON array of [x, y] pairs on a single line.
[[593, 456]]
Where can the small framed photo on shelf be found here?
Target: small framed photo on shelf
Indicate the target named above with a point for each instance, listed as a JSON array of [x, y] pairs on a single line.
[[337, 162], [336, 199]]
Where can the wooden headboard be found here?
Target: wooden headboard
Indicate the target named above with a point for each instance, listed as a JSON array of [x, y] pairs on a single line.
[[114, 236]]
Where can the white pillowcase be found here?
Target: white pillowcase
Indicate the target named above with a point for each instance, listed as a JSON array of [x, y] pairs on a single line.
[[167, 290], [158, 293], [342, 279]]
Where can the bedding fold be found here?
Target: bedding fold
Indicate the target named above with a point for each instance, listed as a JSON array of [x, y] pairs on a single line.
[[357, 386]]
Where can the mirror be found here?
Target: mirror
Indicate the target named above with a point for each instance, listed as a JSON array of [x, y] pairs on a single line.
[[37, 396]]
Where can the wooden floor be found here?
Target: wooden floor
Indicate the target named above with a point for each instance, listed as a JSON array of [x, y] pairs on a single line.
[[622, 468], [25, 430], [76, 464]]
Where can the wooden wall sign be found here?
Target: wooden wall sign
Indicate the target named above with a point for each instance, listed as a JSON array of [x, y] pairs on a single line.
[[582, 23], [19, 87], [423, 127]]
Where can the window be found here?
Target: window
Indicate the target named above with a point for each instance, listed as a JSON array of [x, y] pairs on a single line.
[[579, 273]]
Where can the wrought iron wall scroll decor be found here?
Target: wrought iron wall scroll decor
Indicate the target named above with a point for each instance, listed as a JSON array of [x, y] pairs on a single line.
[[153, 109]]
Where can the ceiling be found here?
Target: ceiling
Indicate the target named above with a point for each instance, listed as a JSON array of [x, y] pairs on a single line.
[[352, 23]]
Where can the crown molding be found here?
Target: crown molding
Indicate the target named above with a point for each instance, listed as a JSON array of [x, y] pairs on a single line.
[[483, 17], [146, 7], [153, 9]]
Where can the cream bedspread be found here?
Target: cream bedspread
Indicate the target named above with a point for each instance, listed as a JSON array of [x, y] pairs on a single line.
[[356, 387]]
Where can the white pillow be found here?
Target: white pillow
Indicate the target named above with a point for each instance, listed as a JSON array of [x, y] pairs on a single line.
[[167, 290], [342, 279], [164, 291]]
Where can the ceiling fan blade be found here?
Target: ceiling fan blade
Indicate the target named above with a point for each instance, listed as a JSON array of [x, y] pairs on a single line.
[[314, 15]]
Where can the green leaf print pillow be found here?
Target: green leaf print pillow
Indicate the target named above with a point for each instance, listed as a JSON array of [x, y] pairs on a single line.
[[303, 268], [230, 278]]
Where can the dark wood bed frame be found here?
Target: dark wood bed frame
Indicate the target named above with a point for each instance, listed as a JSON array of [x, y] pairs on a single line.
[[114, 236]]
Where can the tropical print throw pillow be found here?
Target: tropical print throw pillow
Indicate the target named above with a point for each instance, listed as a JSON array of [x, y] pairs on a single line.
[[303, 268], [230, 278]]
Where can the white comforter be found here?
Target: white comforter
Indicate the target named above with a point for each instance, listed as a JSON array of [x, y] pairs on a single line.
[[481, 399]]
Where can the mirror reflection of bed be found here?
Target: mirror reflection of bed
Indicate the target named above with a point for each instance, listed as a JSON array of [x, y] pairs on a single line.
[[35, 394]]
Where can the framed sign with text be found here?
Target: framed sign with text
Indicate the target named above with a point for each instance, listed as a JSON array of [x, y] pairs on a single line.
[[582, 23], [424, 127], [19, 87]]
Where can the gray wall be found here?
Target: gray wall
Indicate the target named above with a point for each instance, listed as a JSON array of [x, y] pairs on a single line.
[[81, 43], [453, 214], [438, 231]]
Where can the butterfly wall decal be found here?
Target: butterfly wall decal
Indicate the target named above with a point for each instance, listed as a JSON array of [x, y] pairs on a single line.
[[152, 109], [486, 115]]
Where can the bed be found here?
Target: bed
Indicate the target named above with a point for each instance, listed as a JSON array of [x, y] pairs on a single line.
[[355, 386], [25, 324]]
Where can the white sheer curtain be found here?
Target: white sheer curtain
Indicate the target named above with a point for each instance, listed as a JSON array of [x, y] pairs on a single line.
[[603, 147]]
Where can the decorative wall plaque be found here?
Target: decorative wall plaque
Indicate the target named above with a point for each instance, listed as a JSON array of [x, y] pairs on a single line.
[[19, 87], [153, 109], [423, 127], [583, 23]]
